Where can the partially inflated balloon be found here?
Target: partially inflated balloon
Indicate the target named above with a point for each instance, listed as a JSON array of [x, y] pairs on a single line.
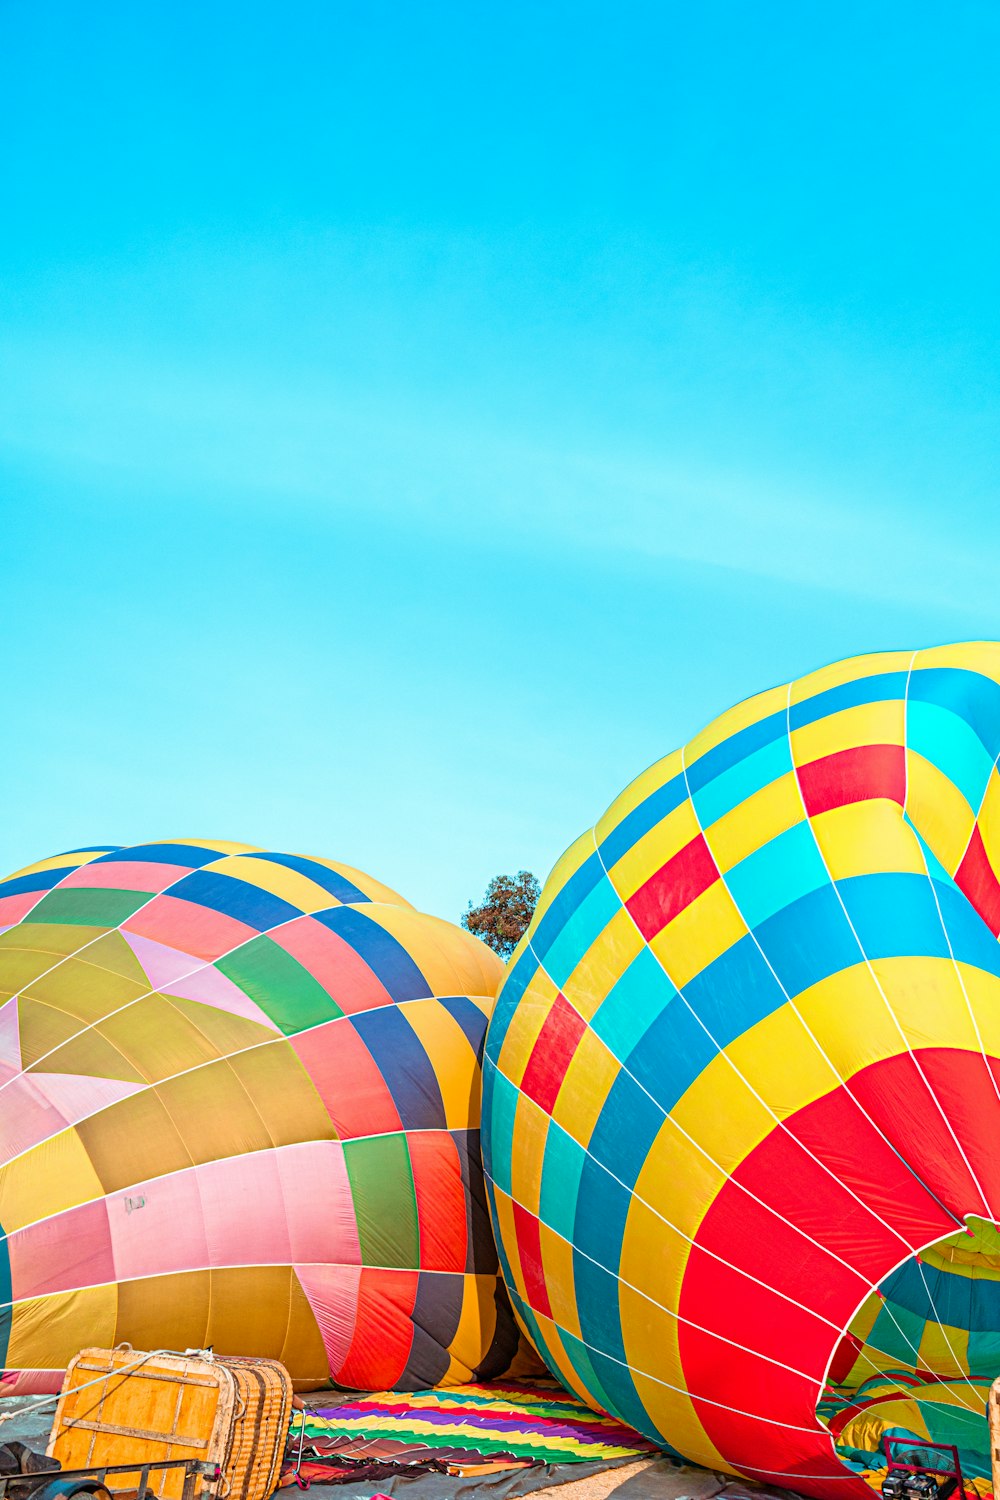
[[239, 1106], [742, 1082]]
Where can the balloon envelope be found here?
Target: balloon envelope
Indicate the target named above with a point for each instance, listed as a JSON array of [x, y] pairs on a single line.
[[239, 1107], [742, 1082]]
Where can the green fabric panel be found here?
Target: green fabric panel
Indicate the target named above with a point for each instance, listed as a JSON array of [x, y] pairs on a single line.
[[88, 908], [385, 1202], [279, 984]]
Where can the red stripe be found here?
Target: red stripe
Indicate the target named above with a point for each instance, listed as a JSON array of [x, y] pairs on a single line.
[[674, 886], [976, 879], [552, 1054], [854, 776], [383, 1332], [528, 1237], [441, 1200]]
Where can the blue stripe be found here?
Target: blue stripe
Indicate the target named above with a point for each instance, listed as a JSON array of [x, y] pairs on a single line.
[[809, 940], [39, 880], [562, 1168], [469, 1017], [585, 924], [513, 987], [384, 955], [572, 895], [235, 898], [163, 854], [657, 806], [894, 915], [632, 1005], [736, 748], [729, 788], [334, 884], [670, 1056], [950, 743], [975, 698], [882, 687], [498, 1129], [777, 874], [626, 1127], [403, 1062]]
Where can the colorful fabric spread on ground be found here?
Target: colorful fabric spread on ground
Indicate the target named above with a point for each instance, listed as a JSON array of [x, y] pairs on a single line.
[[900, 1404], [504, 1421], [742, 1081], [239, 1106]]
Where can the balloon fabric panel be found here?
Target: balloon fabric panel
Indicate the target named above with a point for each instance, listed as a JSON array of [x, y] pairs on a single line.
[[239, 1107], [742, 1081]]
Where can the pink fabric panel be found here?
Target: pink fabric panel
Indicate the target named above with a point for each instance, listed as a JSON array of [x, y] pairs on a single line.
[[125, 875], [14, 908], [166, 1232], [332, 1293], [31, 1382], [34, 1106], [341, 971], [175, 973], [281, 1206], [61, 1254], [184, 924], [10, 1039]]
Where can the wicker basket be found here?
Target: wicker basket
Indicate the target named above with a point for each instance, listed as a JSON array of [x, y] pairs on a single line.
[[150, 1407]]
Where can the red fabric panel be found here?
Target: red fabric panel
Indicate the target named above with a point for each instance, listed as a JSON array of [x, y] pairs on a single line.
[[189, 927], [441, 1204], [975, 878], [674, 886], [383, 1333], [552, 1053], [341, 971], [347, 1079], [854, 776], [529, 1249]]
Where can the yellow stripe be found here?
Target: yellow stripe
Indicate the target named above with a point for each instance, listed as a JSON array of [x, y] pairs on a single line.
[[637, 791], [740, 716], [654, 849], [603, 964], [278, 880], [456, 1066], [706, 927], [854, 669], [525, 1024], [867, 724], [867, 838], [938, 810], [451, 960], [755, 821]]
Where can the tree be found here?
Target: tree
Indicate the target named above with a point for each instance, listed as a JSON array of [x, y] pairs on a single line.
[[503, 916]]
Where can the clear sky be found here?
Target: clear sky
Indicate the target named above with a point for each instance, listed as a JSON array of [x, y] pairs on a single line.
[[415, 418]]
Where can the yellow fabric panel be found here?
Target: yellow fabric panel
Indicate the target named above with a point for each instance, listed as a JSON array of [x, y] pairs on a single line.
[[989, 820], [603, 964], [456, 1066], [531, 1125], [47, 1332], [944, 1350], [476, 1326], [224, 846], [636, 793], [863, 1321], [973, 656], [279, 880], [866, 724], [761, 1055], [55, 1040], [709, 925], [735, 1117], [854, 669], [671, 1411], [678, 1180], [755, 821], [284, 1095], [166, 1311], [585, 1088], [303, 1347], [867, 838], [451, 960], [55, 1175], [49, 940], [526, 1022], [983, 993], [654, 849], [248, 1310], [565, 868], [740, 716], [654, 1255], [938, 810], [557, 1269], [508, 1237], [375, 890]]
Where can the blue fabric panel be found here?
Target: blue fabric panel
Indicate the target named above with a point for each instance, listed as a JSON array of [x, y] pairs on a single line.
[[579, 1357], [736, 748], [616, 1379], [777, 874], [235, 898], [971, 939], [469, 1017], [562, 1167], [632, 1005], [984, 1352], [498, 1132], [894, 915], [734, 992], [935, 868], [163, 854], [899, 1338], [401, 1059], [740, 781], [881, 688], [809, 940], [626, 1127], [338, 886], [39, 880], [671, 1055], [514, 985], [952, 745], [973, 697], [387, 958], [565, 904], [657, 806], [602, 1207], [583, 927]]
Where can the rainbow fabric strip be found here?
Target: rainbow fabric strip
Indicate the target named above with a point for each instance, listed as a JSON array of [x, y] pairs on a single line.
[[531, 1421]]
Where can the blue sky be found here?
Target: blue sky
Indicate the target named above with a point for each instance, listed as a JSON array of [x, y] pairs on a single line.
[[415, 419]]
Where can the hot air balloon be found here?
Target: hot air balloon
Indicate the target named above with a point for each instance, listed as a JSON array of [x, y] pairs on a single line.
[[239, 1108], [742, 1081]]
